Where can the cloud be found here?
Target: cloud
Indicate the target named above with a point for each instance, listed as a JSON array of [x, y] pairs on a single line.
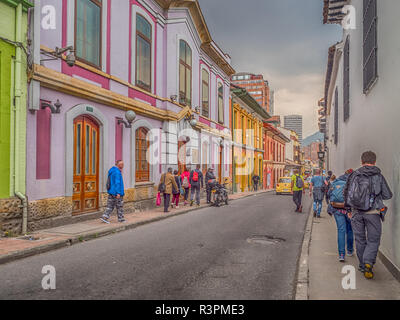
[[284, 40]]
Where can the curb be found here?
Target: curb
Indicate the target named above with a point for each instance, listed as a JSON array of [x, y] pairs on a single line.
[[13, 256], [302, 279]]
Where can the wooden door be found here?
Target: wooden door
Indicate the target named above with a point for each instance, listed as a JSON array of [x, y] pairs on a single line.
[[86, 166]]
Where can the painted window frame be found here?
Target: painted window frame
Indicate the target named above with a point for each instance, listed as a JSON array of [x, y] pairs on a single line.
[[220, 95], [100, 4], [346, 80], [139, 155], [150, 42], [203, 83], [186, 67]]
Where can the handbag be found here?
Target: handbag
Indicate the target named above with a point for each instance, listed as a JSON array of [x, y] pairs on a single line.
[[161, 186], [158, 202]]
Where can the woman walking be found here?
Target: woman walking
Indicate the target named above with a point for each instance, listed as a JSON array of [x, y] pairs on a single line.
[[186, 184]]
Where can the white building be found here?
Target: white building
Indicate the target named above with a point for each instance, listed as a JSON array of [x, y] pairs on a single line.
[[362, 100]]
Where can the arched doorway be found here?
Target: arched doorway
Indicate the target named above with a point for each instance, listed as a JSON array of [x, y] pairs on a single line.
[[85, 195]]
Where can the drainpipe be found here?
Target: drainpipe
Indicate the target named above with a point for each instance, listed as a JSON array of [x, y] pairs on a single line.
[[17, 117], [24, 211]]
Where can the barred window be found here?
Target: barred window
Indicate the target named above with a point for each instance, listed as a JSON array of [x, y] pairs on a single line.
[[370, 46], [336, 116], [346, 80]]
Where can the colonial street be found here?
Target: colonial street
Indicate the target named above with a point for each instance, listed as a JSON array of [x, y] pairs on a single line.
[[247, 250]]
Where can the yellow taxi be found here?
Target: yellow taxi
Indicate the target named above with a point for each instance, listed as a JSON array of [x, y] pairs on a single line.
[[284, 186], [307, 182]]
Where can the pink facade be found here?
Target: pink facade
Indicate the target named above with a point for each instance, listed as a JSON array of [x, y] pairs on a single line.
[[51, 147]]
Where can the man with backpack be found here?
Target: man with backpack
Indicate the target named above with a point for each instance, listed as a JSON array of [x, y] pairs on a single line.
[[196, 181], [317, 189], [364, 193], [210, 181], [256, 181], [167, 186], [339, 211], [298, 190], [116, 193]]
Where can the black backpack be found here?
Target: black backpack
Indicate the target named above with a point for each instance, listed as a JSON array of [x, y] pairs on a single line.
[[299, 182], [108, 184], [360, 194]]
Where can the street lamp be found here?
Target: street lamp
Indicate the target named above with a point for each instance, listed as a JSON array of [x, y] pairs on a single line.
[[130, 116]]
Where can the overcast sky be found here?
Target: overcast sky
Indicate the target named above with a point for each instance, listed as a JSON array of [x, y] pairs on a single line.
[[284, 40]]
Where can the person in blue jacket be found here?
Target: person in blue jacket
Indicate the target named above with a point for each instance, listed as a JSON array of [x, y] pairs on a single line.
[[116, 193]]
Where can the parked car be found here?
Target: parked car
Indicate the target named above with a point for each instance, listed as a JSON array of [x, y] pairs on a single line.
[[284, 186]]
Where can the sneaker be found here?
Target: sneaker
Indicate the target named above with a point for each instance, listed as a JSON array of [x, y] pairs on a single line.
[[315, 214], [368, 273], [191, 203], [172, 206], [341, 258], [105, 220], [350, 253], [177, 207], [122, 221]]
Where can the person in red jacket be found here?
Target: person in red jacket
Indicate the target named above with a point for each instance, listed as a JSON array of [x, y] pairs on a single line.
[[186, 184]]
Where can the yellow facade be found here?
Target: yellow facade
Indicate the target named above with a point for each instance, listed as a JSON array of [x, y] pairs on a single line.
[[248, 148]]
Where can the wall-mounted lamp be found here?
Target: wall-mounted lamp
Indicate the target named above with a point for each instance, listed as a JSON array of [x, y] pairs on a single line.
[[192, 120], [197, 109], [173, 97], [55, 109], [57, 54], [130, 117]]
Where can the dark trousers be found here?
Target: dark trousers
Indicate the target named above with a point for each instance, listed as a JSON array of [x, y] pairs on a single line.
[[167, 199], [208, 190], [186, 193], [195, 192], [256, 187], [297, 197]]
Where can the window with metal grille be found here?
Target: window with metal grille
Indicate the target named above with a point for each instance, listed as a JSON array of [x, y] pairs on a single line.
[[336, 116], [370, 46], [346, 80]]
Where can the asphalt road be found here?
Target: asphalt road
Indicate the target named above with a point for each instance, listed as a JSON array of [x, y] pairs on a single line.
[[205, 254]]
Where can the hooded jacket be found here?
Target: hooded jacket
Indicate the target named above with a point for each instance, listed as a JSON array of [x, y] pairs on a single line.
[[116, 182], [379, 185]]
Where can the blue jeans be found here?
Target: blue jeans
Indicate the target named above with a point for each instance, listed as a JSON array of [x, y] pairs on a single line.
[[344, 231], [317, 206]]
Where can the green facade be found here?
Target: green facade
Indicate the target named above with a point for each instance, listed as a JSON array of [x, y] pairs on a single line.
[[13, 97]]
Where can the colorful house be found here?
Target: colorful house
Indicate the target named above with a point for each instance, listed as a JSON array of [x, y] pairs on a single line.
[[13, 95], [153, 57], [274, 156], [247, 129]]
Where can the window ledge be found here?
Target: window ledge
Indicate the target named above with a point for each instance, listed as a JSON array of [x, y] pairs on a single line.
[[144, 184]]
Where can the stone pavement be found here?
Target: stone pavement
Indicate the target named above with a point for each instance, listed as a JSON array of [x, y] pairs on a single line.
[[325, 270], [54, 238]]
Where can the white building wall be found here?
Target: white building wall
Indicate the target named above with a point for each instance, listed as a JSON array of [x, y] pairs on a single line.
[[373, 123]]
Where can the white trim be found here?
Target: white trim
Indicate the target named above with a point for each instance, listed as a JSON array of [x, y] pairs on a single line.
[[135, 10], [70, 116], [136, 125], [217, 100]]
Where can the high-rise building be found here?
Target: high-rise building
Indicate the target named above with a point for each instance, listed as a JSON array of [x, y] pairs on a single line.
[[256, 86], [295, 123]]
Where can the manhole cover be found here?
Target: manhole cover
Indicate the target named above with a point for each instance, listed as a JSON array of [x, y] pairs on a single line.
[[265, 239]]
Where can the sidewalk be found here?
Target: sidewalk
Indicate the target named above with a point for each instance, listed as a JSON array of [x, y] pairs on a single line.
[[325, 277], [50, 239]]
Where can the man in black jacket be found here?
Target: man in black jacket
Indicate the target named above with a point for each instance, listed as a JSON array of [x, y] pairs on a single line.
[[210, 179], [256, 180], [367, 188]]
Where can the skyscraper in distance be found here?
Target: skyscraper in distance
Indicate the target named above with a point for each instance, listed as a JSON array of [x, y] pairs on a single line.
[[295, 123]]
